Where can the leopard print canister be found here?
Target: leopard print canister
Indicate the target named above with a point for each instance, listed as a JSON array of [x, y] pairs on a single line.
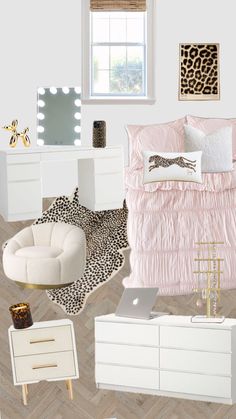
[[21, 315], [99, 134]]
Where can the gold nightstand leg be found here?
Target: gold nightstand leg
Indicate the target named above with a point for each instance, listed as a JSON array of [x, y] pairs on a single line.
[[69, 388], [24, 394], [27, 391]]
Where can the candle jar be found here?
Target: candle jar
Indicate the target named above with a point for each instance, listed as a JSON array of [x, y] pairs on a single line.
[[21, 315], [99, 134]]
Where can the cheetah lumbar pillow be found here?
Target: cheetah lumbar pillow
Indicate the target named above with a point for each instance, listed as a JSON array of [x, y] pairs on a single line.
[[159, 167], [216, 147]]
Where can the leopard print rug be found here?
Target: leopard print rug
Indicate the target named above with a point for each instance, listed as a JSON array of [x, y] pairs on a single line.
[[106, 236]]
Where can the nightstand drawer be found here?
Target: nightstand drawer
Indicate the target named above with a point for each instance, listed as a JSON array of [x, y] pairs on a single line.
[[195, 361], [108, 165], [45, 340], [44, 367], [138, 356], [135, 334], [16, 172], [194, 338], [195, 384], [125, 376]]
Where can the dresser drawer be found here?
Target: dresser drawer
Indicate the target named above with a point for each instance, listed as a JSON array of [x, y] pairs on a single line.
[[181, 382], [44, 340], [108, 165], [109, 187], [44, 366], [16, 172], [195, 361], [194, 338], [139, 356], [135, 334], [23, 158], [126, 376]]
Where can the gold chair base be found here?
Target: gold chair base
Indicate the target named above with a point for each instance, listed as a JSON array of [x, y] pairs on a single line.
[[41, 286]]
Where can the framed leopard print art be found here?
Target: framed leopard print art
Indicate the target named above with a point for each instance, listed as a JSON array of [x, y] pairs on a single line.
[[199, 72]]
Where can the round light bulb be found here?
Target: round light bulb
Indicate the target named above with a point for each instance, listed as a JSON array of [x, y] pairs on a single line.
[[77, 102], [40, 141], [41, 103], [53, 90], [41, 91], [77, 115], [40, 128], [77, 142], [40, 116], [77, 89], [77, 128], [66, 90]]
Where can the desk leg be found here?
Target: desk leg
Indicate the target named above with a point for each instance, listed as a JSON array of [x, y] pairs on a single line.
[[24, 393], [69, 388]]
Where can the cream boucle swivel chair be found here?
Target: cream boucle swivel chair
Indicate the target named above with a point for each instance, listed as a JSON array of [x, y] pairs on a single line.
[[49, 255]]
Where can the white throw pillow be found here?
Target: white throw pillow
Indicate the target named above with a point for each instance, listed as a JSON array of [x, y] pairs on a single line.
[[216, 148], [159, 167]]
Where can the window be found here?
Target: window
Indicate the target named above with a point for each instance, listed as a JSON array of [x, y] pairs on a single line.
[[117, 55]]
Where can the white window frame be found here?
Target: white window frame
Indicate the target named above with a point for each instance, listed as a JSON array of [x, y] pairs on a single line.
[[86, 62]]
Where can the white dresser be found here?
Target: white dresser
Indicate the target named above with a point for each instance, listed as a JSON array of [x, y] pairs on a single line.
[[44, 351], [28, 175], [167, 356]]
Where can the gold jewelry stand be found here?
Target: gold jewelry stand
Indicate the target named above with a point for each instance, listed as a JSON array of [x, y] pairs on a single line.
[[210, 268]]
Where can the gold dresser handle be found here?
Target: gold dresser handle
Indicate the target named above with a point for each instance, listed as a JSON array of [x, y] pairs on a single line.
[[38, 367], [42, 341]]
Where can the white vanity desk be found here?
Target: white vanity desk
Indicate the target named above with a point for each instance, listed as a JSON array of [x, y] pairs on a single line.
[[28, 175]]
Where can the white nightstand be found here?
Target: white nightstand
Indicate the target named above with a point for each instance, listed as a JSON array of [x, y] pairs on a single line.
[[44, 351]]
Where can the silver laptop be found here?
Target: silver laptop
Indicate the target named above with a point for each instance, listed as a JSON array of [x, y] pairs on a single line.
[[138, 303]]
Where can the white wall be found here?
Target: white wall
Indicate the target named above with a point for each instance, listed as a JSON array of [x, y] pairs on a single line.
[[42, 46]]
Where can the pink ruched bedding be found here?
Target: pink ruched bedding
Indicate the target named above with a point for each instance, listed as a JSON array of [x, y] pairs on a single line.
[[167, 218]]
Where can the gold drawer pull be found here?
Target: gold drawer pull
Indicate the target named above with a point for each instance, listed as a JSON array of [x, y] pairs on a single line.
[[42, 340], [38, 367]]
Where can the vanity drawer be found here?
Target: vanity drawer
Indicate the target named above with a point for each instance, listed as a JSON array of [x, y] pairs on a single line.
[[195, 384], [139, 356], [125, 376], [23, 158], [45, 340], [195, 338], [24, 197], [109, 187], [193, 361], [16, 172], [135, 334], [108, 165], [44, 366]]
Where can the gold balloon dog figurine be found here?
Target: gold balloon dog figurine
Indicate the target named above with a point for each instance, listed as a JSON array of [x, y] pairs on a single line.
[[14, 138]]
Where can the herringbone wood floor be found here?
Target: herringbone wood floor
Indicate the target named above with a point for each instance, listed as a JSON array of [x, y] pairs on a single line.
[[49, 400]]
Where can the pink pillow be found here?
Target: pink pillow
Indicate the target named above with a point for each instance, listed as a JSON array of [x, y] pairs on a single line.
[[167, 137], [209, 125]]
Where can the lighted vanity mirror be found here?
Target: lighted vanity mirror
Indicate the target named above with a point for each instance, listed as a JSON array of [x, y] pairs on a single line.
[[59, 116]]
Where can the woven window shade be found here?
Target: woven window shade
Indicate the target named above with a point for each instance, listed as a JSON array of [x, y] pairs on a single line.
[[118, 5]]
